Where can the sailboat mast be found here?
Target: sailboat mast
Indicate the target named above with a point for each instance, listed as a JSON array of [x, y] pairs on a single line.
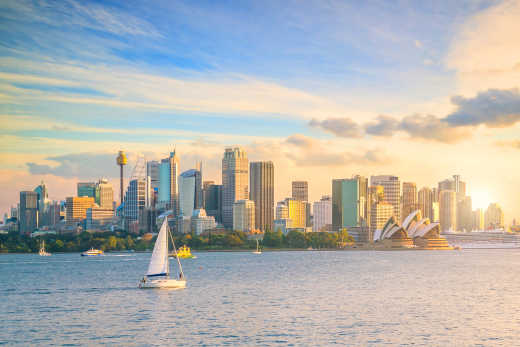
[[176, 256]]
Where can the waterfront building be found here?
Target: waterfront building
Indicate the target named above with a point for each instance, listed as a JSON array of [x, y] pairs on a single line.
[[235, 179], [425, 201], [296, 213], [322, 214], [282, 211], [409, 198], [77, 209], [261, 183], [300, 190], [392, 191], [448, 210], [350, 203], [168, 187], [464, 214], [244, 215], [200, 222], [478, 219], [136, 200], [435, 211], [380, 212], [86, 189], [104, 194], [28, 212], [187, 189], [213, 201], [98, 218], [494, 217], [282, 225]]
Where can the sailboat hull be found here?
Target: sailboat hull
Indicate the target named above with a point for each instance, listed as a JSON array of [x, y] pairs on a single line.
[[166, 283]]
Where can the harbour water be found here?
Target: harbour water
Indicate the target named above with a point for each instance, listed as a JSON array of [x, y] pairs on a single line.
[[468, 297]]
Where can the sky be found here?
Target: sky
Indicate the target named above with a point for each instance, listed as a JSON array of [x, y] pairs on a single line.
[[325, 89]]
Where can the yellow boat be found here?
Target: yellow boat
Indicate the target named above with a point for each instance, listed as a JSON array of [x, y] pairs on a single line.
[[184, 252]]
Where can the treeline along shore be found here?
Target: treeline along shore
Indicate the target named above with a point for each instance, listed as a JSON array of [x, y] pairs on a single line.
[[13, 242]]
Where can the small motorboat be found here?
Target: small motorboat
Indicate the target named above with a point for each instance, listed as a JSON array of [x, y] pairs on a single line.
[[42, 252], [92, 253]]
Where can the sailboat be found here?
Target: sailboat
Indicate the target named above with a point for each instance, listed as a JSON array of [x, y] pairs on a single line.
[[158, 274], [42, 252], [258, 251]]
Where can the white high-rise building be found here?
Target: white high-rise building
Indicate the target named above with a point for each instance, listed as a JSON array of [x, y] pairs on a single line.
[[187, 183], [322, 213], [235, 182], [244, 215]]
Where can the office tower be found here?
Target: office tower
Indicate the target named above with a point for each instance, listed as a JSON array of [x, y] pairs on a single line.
[[296, 213], [152, 170], [54, 213], [435, 212], [478, 219], [244, 215], [455, 184], [28, 212], [213, 201], [136, 200], [14, 212], [77, 209], [205, 189], [261, 181], [199, 193], [425, 200], [98, 218], [350, 205], [86, 189], [409, 198], [300, 190], [464, 214], [448, 210], [200, 222], [168, 187], [322, 214], [494, 217], [380, 212], [104, 194], [282, 211], [235, 179], [187, 191], [43, 204], [392, 191]]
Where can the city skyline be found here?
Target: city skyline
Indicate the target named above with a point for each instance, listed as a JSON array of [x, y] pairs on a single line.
[[310, 100]]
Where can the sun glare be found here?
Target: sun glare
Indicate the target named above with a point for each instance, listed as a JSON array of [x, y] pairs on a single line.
[[480, 199]]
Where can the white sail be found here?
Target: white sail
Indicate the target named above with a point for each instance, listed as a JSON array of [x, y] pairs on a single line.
[[159, 262]]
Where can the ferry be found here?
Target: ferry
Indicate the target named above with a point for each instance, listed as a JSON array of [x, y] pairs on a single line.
[[184, 252], [92, 253]]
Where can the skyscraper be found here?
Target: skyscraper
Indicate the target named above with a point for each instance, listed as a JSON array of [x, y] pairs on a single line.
[[187, 192], [262, 193], [296, 213], [464, 214], [478, 219], [448, 210], [28, 212], [77, 209], [43, 204], [136, 200], [235, 177], [152, 170], [392, 191], [322, 214], [409, 198], [104, 194], [168, 187], [350, 204], [213, 201], [244, 215], [425, 200], [87, 189], [494, 217], [300, 190], [380, 212]]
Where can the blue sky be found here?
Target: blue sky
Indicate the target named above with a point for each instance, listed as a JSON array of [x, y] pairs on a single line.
[[96, 76]]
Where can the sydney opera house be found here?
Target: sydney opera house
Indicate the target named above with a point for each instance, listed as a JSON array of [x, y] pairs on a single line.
[[414, 232]]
